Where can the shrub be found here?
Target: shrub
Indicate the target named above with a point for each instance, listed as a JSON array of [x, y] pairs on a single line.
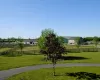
[[11, 53], [83, 50]]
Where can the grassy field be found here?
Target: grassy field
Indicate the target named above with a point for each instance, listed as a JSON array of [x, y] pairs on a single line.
[[30, 48], [83, 57], [27, 60], [82, 46], [4, 49], [67, 73]]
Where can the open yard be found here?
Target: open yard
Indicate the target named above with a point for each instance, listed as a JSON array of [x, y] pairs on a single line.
[[26, 60], [67, 73], [30, 48], [82, 46], [4, 49]]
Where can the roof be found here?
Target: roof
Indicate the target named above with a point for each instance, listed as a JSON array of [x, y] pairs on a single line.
[[30, 40], [70, 37]]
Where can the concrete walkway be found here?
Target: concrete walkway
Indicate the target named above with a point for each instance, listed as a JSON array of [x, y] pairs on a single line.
[[7, 73]]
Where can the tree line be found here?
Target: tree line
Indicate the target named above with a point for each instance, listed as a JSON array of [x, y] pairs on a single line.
[[11, 39]]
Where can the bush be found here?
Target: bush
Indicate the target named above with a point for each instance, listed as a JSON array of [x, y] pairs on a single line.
[[73, 50], [83, 50], [11, 53], [32, 52]]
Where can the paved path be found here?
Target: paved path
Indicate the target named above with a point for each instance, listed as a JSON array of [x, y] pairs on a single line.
[[7, 73]]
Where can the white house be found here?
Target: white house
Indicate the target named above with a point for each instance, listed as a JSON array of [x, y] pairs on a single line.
[[71, 40], [30, 41]]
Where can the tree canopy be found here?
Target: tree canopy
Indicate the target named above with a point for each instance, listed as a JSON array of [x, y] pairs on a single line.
[[42, 38]]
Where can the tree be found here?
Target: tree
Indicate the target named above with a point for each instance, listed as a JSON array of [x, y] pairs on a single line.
[[88, 39], [53, 48], [61, 39], [78, 41], [42, 39], [20, 44], [0, 42], [96, 41]]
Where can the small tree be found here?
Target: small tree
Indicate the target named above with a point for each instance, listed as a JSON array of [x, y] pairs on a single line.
[[42, 39], [20, 44], [0, 42], [78, 42], [96, 41], [53, 48]]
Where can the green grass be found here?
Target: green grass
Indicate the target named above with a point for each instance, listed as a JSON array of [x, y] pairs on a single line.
[[30, 48], [91, 57], [27, 60], [4, 49], [47, 74], [82, 46]]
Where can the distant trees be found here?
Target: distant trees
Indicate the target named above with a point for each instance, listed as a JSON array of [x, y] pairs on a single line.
[[88, 39]]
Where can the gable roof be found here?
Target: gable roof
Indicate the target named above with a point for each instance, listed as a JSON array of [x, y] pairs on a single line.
[[30, 40], [70, 37]]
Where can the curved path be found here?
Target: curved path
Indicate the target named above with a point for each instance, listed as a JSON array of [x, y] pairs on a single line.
[[7, 73]]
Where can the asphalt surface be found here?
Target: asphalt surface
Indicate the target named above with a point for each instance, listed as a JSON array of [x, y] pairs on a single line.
[[7, 73]]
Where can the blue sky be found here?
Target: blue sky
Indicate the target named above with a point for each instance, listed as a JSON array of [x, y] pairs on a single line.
[[26, 18]]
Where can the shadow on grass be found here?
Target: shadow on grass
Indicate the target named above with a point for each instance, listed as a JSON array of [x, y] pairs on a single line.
[[68, 58], [84, 75], [73, 58]]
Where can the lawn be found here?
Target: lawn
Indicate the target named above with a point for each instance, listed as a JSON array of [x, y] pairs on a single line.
[[83, 57], [82, 46], [30, 48], [66, 73], [28, 60], [25, 60], [4, 49]]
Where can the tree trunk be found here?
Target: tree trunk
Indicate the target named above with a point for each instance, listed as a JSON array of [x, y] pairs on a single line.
[[21, 52], [54, 69]]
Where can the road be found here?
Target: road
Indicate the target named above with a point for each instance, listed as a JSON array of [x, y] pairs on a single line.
[[7, 73]]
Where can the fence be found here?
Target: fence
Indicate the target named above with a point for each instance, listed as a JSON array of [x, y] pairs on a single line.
[[83, 50], [37, 52]]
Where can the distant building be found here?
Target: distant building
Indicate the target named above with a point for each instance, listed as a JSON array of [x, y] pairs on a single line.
[[25, 41], [71, 40], [30, 41]]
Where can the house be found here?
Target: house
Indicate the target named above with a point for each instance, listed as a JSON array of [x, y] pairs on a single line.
[[30, 41], [25, 41], [71, 40]]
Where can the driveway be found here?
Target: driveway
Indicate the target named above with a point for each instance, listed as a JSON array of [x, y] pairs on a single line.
[[7, 73]]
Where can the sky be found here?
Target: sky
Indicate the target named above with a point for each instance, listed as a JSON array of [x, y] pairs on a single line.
[[27, 18]]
